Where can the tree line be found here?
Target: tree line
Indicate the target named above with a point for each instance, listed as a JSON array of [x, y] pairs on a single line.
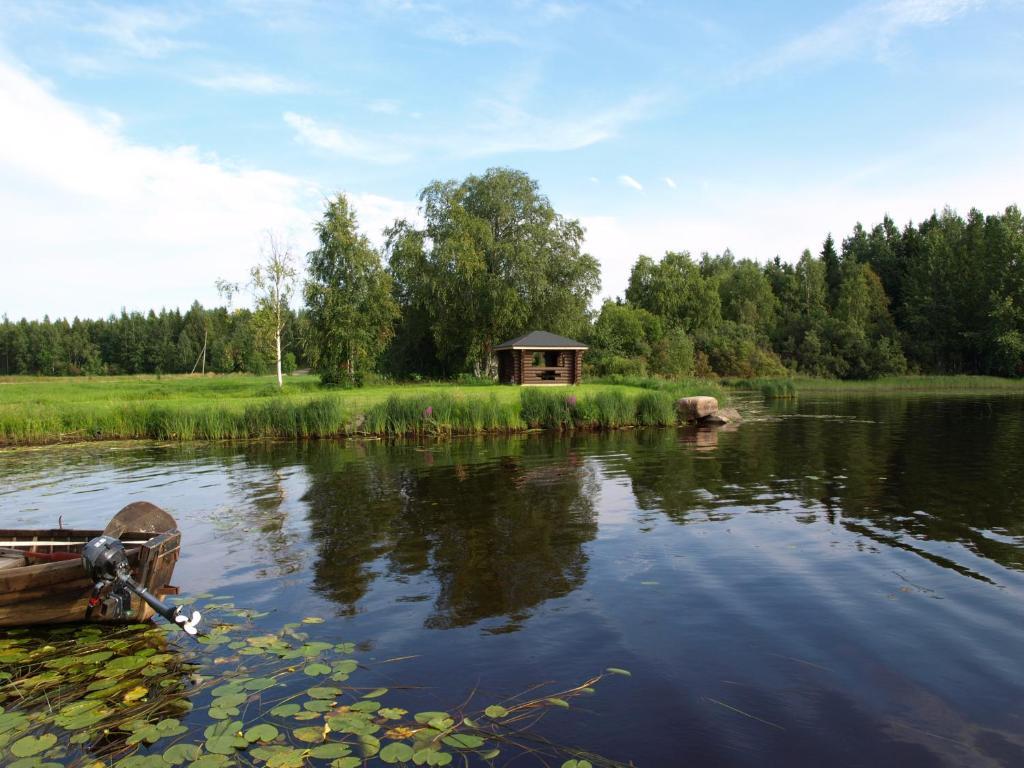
[[491, 259]]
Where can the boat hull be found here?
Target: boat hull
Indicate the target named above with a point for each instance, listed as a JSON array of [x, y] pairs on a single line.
[[58, 592]]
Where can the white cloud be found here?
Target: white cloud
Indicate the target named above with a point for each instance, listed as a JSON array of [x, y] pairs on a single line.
[[504, 126], [326, 137], [144, 32], [871, 24], [250, 82], [376, 212], [500, 127], [93, 221], [670, 182], [629, 181]]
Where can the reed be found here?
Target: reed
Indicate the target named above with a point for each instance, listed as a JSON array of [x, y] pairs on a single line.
[[655, 409], [35, 410], [784, 388]]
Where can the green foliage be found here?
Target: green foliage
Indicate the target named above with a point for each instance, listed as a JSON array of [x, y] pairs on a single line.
[[132, 343], [547, 408], [136, 696], [655, 409], [772, 389], [351, 312], [675, 289], [493, 260]]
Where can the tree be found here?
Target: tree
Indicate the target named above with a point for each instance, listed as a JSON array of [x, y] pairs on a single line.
[[832, 272], [272, 282], [493, 260], [747, 297], [351, 312], [675, 290]]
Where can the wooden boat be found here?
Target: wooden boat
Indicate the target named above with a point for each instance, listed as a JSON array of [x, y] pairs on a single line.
[[43, 580]]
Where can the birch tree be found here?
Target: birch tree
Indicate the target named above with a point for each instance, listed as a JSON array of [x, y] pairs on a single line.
[[272, 281]]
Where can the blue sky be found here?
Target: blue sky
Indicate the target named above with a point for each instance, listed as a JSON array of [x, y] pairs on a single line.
[[145, 149]]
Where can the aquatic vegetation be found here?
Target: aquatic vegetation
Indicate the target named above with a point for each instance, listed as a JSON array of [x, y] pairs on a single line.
[[655, 409], [182, 408], [140, 697]]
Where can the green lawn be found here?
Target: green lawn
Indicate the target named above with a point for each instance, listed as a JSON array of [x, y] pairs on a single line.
[[52, 409]]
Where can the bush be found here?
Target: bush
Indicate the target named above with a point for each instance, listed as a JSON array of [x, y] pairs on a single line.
[[673, 354]]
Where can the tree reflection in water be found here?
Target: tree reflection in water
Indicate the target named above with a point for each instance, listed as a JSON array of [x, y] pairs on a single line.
[[500, 525]]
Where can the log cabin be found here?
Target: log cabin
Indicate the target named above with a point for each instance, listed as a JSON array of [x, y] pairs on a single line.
[[540, 359]]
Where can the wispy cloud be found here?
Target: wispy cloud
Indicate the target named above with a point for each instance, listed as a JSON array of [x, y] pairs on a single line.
[[330, 138], [148, 33], [868, 26], [384, 106], [629, 181], [508, 127], [499, 127], [251, 82], [670, 182]]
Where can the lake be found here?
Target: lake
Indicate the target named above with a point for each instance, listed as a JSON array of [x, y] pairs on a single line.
[[836, 582]]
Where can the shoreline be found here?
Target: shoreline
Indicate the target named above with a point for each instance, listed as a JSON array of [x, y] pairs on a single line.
[[396, 411]]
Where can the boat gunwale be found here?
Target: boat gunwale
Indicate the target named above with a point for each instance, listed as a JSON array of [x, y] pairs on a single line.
[[30, 570]]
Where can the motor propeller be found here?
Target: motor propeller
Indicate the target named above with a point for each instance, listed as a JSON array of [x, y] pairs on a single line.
[[106, 562]]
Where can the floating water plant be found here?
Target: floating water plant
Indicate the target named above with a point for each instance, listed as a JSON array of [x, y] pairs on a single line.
[[138, 697]]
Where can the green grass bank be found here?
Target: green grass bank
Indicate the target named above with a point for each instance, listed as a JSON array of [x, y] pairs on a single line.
[[781, 388], [38, 410]]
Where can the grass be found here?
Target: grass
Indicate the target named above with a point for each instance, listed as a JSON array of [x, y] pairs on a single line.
[[779, 388], [37, 410]]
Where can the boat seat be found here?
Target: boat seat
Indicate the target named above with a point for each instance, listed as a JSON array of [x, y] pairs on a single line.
[[10, 559]]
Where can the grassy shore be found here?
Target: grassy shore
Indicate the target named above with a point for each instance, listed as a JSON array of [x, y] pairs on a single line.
[[37, 410], [779, 388]]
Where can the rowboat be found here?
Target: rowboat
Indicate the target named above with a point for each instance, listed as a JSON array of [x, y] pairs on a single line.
[[43, 579]]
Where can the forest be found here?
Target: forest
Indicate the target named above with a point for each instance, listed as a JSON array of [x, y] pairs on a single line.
[[492, 259]]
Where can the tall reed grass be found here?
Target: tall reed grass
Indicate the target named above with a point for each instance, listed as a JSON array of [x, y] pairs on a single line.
[[607, 409], [36, 411]]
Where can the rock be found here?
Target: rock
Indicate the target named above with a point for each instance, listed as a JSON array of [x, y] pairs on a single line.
[[724, 416], [694, 408]]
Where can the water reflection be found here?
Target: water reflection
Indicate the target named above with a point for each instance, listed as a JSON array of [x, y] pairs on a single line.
[[498, 536], [849, 572], [896, 471]]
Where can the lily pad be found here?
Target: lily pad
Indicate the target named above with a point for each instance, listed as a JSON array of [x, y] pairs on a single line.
[[333, 750], [309, 734], [27, 746], [396, 752], [180, 754], [263, 732]]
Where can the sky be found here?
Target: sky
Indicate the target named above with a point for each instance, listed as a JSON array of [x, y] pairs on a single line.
[[147, 150]]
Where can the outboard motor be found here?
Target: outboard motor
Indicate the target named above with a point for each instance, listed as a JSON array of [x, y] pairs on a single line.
[[107, 564]]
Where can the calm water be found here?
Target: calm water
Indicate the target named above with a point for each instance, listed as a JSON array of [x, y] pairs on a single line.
[[834, 583]]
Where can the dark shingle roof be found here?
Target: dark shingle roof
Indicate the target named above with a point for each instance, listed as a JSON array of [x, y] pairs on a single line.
[[541, 340]]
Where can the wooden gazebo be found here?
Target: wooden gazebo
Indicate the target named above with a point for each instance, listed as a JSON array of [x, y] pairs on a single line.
[[540, 358]]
